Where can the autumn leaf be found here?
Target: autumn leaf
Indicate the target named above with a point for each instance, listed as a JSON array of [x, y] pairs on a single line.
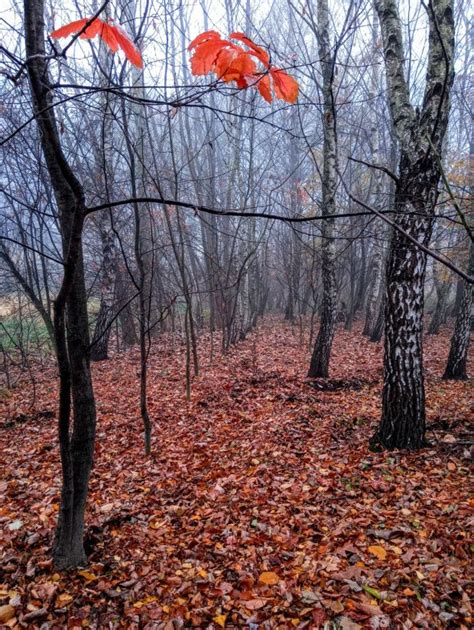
[[378, 551], [220, 620], [63, 600], [112, 35], [144, 602], [269, 578], [255, 604], [87, 575], [259, 52], [372, 591], [286, 88]]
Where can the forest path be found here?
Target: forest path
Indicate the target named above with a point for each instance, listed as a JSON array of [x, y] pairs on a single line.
[[259, 474]]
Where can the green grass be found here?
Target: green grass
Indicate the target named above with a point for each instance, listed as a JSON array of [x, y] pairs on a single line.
[[28, 333]]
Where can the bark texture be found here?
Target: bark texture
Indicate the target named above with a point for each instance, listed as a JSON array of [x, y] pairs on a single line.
[[71, 328], [420, 135], [319, 366]]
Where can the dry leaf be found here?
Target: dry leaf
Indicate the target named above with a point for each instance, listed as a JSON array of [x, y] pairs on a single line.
[[379, 551], [268, 577], [220, 620]]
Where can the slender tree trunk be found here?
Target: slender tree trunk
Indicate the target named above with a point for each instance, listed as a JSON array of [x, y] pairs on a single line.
[[101, 336], [70, 310], [103, 327], [441, 308], [319, 366], [377, 330], [377, 259], [127, 324], [456, 367]]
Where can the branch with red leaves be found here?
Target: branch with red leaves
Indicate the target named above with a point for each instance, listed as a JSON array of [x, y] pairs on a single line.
[[112, 35], [231, 62]]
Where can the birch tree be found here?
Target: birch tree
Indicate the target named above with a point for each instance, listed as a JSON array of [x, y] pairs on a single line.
[[420, 134]]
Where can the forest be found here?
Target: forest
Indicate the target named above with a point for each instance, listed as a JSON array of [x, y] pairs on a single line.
[[236, 298]]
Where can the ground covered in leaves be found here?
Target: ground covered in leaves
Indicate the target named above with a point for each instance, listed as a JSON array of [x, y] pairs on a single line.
[[261, 506]]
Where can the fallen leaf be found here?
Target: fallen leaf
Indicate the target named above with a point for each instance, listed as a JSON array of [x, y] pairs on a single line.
[[379, 551], [63, 600], [220, 620], [7, 612], [269, 578], [87, 575], [255, 604], [372, 591]]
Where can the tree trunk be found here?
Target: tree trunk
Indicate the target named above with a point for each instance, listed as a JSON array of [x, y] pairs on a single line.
[[403, 399], [70, 304], [421, 135], [441, 308], [319, 366], [457, 359], [377, 330]]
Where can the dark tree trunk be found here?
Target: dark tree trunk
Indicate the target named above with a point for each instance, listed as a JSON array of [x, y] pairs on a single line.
[[377, 330], [127, 324], [456, 367], [77, 450], [100, 339], [441, 308], [70, 310]]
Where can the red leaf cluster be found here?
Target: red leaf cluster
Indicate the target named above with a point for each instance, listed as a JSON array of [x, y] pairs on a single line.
[[112, 35], [230, 62]]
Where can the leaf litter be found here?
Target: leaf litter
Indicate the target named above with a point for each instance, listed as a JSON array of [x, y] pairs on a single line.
[[261, 506]]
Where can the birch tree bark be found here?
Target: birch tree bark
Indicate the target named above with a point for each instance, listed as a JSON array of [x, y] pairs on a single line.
[[319, 366], [420, 134], [100, 338]]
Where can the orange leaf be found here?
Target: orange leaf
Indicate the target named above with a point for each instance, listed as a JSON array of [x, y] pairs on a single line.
[[233, 63], [108, 36], [263, 86], [220, 620], [259, 52], [95, 28], [378, 551], [131, 51], [207, 35], [69, 29], [285, 86], [113, 36], [268, 577], [205, 56]]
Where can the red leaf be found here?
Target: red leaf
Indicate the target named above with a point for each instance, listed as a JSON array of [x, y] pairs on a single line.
[[259, 52], [204, 58], [69, 29], [108, 36], [95, 28], [285, 86], [131, 51], [203, 37], [263, 86], [112, 35]]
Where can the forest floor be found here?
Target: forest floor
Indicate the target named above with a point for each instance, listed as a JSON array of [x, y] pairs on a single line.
[[261, 505]]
